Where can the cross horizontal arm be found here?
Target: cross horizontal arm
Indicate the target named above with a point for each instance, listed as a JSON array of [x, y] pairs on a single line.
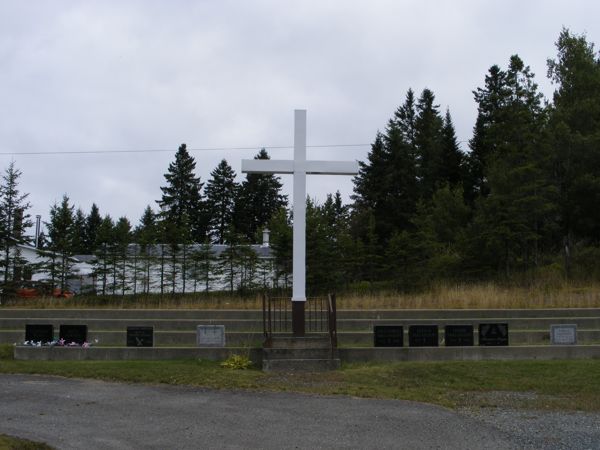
[[310, 167], [332, 167], [267, 166]]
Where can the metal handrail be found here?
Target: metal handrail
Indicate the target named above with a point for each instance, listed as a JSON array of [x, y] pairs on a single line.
[[320, 315]]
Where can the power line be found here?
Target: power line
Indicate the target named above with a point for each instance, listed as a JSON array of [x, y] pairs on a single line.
[[163, 150]]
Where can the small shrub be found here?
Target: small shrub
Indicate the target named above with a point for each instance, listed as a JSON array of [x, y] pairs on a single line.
[[6, 351], [237, 362]]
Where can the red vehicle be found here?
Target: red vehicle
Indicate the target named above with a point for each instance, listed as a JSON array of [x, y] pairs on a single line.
[[34, 289]]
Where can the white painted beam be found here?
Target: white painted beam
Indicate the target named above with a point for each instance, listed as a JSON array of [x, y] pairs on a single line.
[[267, 166]]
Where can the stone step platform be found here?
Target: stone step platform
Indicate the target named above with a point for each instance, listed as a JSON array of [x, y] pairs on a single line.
[[312, 353], [310, 341], [300, 365]]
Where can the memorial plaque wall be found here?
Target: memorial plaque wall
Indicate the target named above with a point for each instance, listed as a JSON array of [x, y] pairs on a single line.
[[140, 336], [423, 336], [563, 334], [388, 336], [458, 335], [493, 334], [39, 333], [210, 335], [73, 333]]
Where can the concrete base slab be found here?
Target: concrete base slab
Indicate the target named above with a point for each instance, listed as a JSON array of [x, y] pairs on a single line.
[[132, 353], [347, 355], [537, 352]]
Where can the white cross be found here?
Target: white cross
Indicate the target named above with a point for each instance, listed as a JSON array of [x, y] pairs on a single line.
[[299, 167]]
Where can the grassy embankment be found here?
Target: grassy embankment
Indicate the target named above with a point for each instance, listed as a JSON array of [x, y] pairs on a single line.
[[565, 385], [541, 294]]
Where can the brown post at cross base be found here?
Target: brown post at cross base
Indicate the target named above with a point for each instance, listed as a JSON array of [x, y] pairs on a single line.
[[298, 321]]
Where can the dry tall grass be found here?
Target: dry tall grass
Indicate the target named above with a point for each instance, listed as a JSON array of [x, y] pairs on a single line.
[[481, 296], [441, 296]]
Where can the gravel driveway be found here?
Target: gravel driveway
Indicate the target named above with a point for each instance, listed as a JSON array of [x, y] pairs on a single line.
[[75, 414]]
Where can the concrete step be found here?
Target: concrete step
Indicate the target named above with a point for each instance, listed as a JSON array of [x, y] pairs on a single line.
[[295, 342], [300, 353], [300, 365]]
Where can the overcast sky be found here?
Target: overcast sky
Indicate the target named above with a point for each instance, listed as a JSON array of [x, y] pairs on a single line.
[[135, 75]]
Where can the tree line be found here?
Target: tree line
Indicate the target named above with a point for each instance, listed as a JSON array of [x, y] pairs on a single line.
[[524, 201]]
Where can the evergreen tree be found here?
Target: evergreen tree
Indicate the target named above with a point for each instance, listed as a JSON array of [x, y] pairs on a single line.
[[258, 199], [575, 122], [105, 253], [204, 266], [491, 100], [282, 244], [92, 223], [60, 232], [520, 205], [221, 192], [79, 232], [14, 221], [146, 235], [429, 141], [181, 203], [453, 159], [122, 239], [387, 185]]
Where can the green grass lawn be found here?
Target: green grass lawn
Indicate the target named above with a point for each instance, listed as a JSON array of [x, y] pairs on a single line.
[[567, 385], [12, 443]]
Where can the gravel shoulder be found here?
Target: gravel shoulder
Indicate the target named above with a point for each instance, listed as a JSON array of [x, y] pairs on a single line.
[[534, 428]]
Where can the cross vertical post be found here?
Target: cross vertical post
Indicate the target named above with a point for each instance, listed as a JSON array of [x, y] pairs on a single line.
[[299, 225]]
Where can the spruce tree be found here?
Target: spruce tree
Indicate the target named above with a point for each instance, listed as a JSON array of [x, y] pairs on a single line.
[[146, 236], [491, 101], [221, 191], [453, 159], [92, 223], [258, 198], [14, 221], [60, 232], [575, 122], [104, 244], [520, 206], [79, 232], [429, 141], [181, 203]]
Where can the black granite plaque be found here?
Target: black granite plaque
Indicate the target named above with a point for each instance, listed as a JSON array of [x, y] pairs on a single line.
[[388, 336], [493, 334], [73, 333], [423, 336], [458, 335], [140, 336], [39, 332]]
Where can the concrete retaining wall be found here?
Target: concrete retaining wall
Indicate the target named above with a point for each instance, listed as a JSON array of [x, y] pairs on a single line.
[[347, 355], [131, 353]]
